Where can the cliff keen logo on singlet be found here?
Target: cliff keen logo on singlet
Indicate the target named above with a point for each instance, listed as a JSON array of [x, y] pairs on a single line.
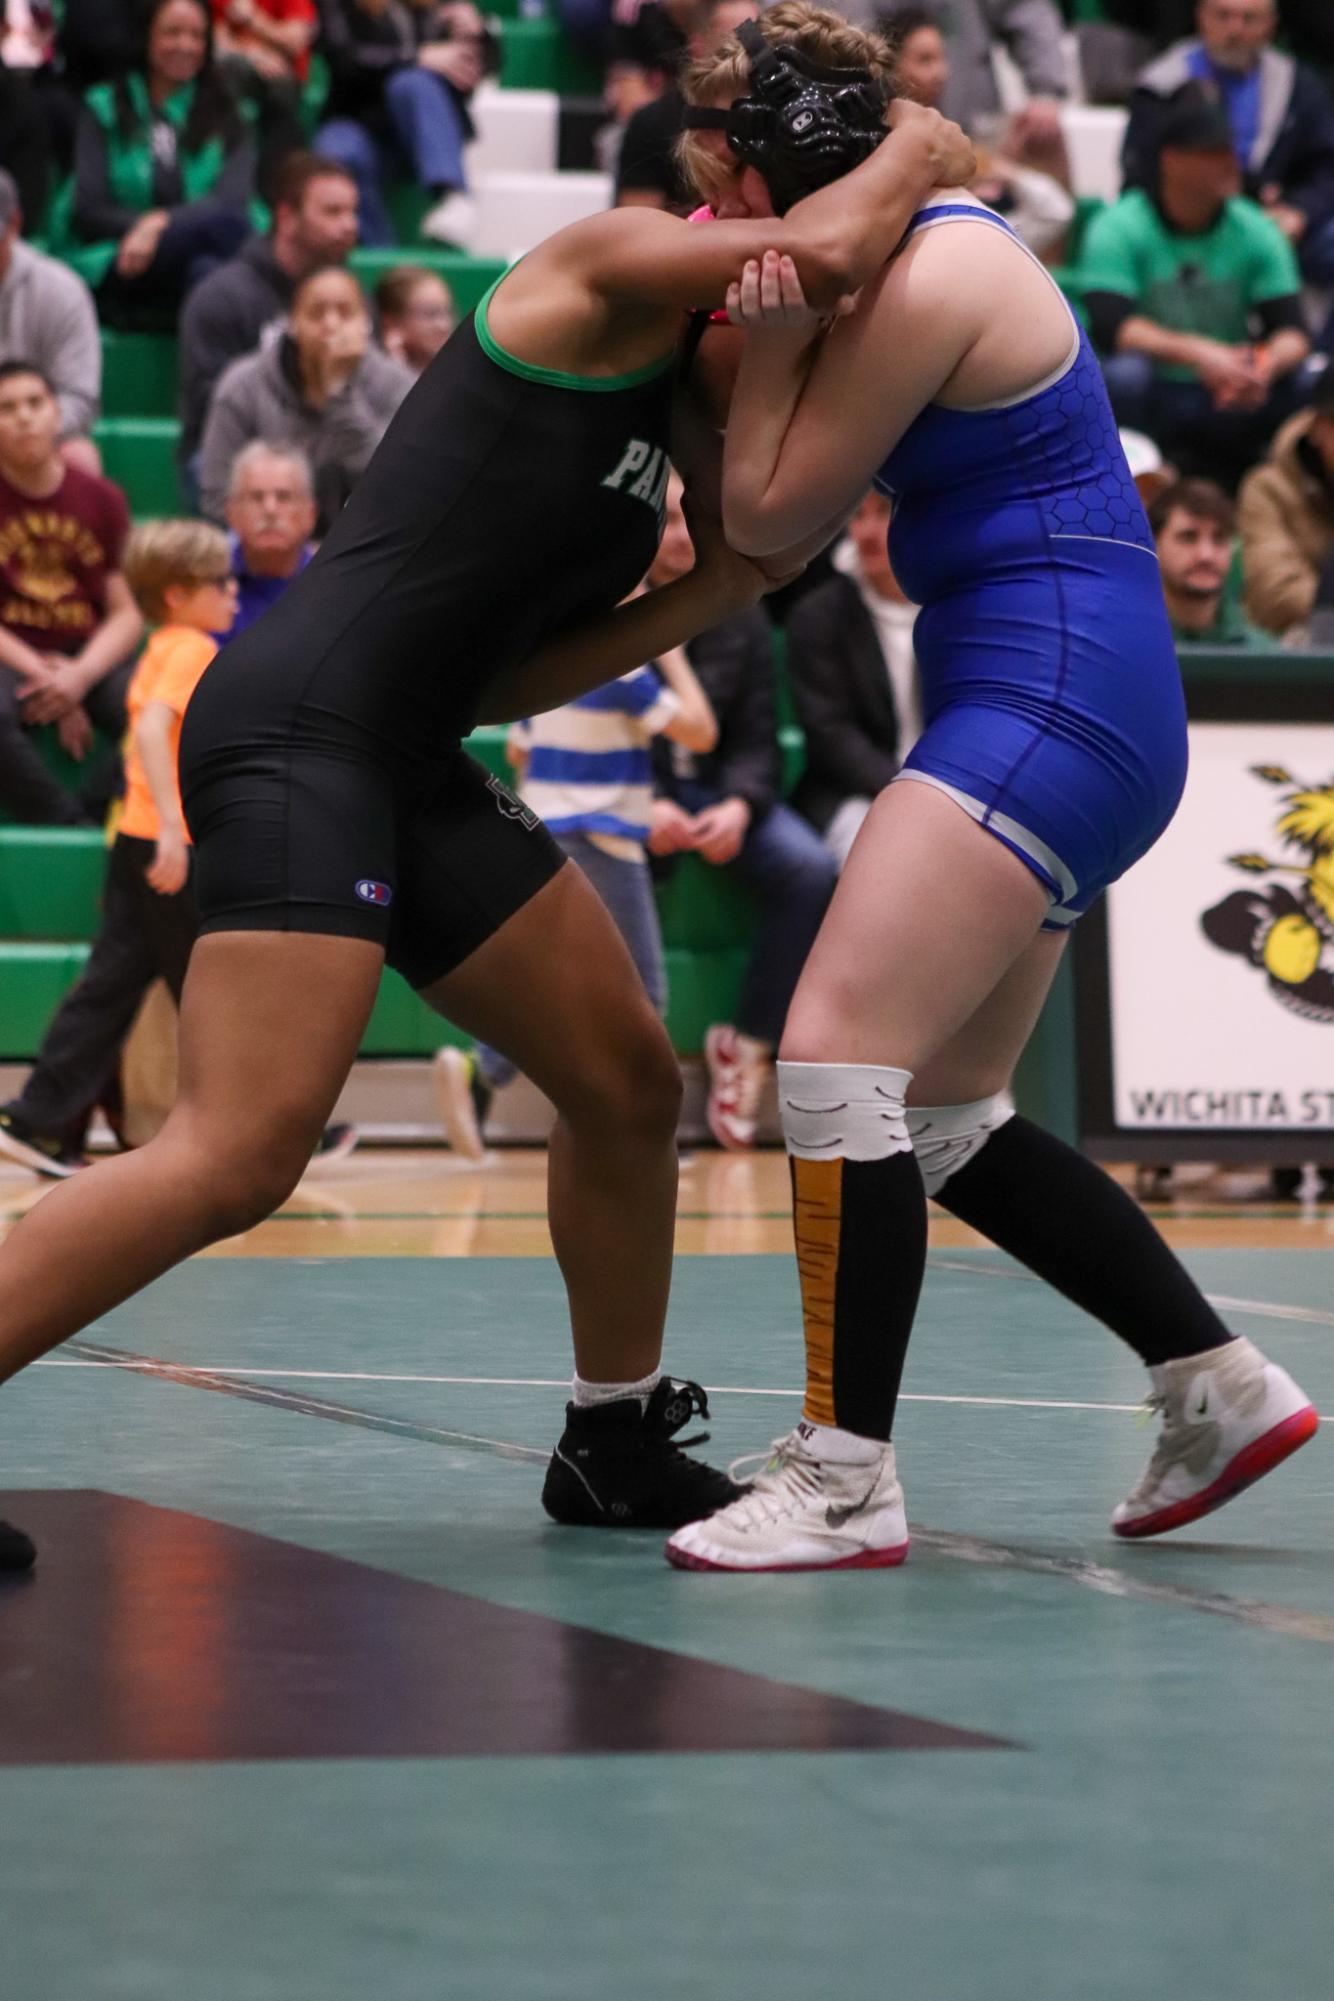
[[647, 467]]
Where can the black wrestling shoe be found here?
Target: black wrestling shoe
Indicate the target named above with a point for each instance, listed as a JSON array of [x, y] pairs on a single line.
[[617, 1467], [17, 1551]]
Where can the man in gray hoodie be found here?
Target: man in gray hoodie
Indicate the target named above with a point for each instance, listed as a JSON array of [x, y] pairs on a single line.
[[47, 317]]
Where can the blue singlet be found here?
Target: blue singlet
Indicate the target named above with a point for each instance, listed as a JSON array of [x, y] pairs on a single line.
[[1054, 711]]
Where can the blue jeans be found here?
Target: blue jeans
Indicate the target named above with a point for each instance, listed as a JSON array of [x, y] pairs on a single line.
[[788, 866], [1181, 418], [627, 890], [428, 134]]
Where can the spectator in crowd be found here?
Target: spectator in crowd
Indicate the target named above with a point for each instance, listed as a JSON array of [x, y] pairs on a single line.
[[47, 317], [164, 173], [1280, 120], [321, 384], [1286, 517], [30, 48], [415, 310], [854, 681], [68, 623], [403, 75], [1308, 29], [314, 223], [1036, 204], [1194, 524], [263, 48], [1032, 31], [1176, 281], [586, 770], [98, 39], [725, 807], [647, 175], [652, 37], [180, 573], [25, 142], [271, 515], [921, 58]]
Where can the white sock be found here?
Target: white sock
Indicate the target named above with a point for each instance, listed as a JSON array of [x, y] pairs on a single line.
[[588, 1395], [843, 1448]]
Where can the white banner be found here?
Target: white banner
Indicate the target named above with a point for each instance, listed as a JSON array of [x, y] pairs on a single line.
[[1221, 942]]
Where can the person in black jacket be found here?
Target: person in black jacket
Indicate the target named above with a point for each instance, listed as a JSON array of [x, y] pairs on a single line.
[[727, 808], [314, 223], [854, 681], [403, 73], [1280, 112]]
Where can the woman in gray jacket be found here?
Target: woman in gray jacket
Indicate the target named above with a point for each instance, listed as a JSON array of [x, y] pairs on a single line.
[[319, 383]]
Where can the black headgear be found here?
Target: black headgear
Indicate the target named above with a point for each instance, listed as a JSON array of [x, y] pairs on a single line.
[[803, 124]]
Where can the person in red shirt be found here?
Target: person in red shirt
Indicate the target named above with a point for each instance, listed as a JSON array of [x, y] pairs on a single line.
[[68, 623], [273, 36]]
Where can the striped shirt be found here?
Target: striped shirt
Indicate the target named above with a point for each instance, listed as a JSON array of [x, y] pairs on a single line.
[[589, 769]]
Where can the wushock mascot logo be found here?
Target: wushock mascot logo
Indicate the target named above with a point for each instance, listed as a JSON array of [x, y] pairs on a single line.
[[1288, 933]]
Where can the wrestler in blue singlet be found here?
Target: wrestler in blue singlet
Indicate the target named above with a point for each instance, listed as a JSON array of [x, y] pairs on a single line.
[[1053, 698]]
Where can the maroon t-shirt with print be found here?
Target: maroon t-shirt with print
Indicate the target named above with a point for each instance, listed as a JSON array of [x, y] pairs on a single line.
[[55, 556]]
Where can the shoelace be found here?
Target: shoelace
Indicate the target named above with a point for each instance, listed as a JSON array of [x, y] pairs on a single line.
[[668, 1420], [786, 1478]]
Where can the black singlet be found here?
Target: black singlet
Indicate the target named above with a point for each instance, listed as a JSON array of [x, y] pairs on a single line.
[[504, 501], [320, 767]]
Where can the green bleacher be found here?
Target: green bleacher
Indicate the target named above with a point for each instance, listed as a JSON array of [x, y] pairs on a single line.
[[50, 883]]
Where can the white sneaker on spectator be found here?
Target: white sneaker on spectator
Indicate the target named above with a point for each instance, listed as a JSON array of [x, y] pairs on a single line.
[[841, 1512], [1229, 1417], [462, 1103], [453, 220], [738, 1066]]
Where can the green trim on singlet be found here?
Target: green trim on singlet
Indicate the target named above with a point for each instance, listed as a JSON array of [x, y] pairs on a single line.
[[556, 378]]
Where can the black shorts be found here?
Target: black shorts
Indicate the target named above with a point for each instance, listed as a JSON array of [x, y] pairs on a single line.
[[427, 859]]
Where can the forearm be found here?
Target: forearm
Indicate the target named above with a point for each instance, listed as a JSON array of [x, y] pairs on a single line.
[[18, 656], [643, 628], [1139, 335], [114, 641], [695, 724], [1285, 351], [769, 383]]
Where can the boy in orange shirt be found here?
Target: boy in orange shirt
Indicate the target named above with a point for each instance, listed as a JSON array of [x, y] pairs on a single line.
[[181, 575]]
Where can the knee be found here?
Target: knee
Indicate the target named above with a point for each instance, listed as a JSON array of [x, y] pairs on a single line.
[[631, 1088], [414, 87], [825, 1022], [245, 1177]]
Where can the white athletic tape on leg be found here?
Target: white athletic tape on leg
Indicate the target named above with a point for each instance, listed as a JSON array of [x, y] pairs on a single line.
[[843, 1111], [946, 1137]]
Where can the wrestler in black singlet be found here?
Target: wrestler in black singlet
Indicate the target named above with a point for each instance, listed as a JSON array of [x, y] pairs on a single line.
[[321, 771]]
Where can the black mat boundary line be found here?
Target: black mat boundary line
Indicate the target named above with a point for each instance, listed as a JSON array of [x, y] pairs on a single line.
[[149, 1635]]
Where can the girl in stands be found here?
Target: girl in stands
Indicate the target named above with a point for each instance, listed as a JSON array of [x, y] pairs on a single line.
[[515, 501], [1053, 756]]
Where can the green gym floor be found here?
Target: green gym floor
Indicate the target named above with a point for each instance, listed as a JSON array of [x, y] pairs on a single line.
[[307, 1700]]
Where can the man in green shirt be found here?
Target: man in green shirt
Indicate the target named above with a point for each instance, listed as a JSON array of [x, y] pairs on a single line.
[[1194, 524], [1194, 298]]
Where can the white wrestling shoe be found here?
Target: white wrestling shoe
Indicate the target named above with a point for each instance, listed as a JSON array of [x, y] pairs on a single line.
[[1229, 1417], [804, 1513]]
